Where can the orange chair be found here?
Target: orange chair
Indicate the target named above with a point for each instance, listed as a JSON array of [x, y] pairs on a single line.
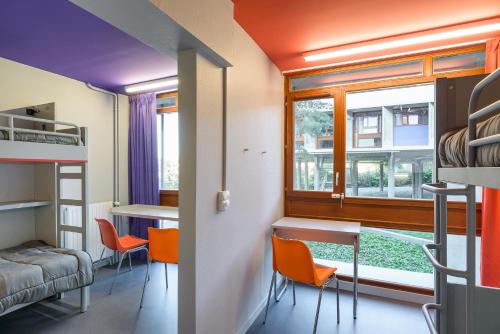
[[124, 245], [164, 246], [293, 260]]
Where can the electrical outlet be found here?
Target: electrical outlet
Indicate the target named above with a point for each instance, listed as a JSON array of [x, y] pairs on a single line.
[[223, 200]]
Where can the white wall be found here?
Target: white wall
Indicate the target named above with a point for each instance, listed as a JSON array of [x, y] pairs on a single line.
[[22, 85], [17, 182], [225, 259]]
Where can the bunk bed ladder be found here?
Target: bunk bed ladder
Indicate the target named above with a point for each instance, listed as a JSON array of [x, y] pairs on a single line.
[[439, 259], [77, 171]]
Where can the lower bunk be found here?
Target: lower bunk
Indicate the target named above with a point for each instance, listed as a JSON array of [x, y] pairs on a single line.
[[34, 271]]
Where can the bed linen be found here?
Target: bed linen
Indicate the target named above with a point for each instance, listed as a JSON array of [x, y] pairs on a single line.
[[40, 138], [34, 271], [453, 148]]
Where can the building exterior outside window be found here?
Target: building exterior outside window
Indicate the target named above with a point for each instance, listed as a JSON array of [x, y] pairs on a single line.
[[389, 141]]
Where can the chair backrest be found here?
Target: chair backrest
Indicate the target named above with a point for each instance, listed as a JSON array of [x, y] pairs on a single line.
[[294, 260], [164, 244], [109, 236]]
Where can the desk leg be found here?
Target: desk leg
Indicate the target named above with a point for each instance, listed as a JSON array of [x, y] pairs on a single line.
[[355, 278]]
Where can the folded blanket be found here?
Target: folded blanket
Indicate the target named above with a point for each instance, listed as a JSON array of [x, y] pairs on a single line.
[[453, 148]]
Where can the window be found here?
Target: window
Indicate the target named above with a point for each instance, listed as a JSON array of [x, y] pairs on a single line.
[[367, 128], [374, 73], [407, 115], [365, 157], [168, 141], [313, 144], [456, 62], [397, 155]]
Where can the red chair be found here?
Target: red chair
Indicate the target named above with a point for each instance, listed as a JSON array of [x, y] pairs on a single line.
[[124, 245]]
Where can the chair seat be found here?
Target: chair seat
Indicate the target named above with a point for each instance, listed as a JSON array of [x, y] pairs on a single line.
[[128, 242], [323, 273]]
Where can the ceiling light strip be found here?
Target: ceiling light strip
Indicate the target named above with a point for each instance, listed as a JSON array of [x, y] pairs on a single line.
[[153, 85], [448, 35]]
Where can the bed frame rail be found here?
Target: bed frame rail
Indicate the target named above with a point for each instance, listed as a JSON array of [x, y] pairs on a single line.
[[12, 129], [476, 115]]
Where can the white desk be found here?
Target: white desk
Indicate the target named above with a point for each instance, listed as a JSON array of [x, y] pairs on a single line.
[[338, 232], [168, 213], [147, 212]]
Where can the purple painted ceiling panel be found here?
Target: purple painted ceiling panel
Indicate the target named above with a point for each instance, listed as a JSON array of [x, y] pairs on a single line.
[[60, 37]]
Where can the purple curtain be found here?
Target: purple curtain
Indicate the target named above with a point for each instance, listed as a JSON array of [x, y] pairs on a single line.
[[144, 186]]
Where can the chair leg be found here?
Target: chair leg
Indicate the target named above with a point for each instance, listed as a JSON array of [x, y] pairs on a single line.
[[273, 283], [317, 309], [166, 275], [102, 254], [100, 259], [293, 287], [129, 262], [277, 296], [275, 290], [338, 302], [122, 255], [146, 279]]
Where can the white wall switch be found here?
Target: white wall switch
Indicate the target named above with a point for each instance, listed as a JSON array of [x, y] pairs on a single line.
[[223, 200]]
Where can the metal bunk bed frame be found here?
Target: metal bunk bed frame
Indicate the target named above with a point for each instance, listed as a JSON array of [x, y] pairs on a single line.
[[470, 176], [61, 156]]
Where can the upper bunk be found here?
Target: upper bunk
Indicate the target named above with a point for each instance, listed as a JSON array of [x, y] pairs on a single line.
[[468, 130], [32, 135]]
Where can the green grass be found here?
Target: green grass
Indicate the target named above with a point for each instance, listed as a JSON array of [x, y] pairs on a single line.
[[378, 251]]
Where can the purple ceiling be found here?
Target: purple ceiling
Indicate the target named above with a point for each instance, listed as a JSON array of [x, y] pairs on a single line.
[[60, 37]]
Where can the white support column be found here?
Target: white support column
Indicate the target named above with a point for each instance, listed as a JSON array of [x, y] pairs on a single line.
[[316, 172], [391, 183], [381, 176], [354, 177]]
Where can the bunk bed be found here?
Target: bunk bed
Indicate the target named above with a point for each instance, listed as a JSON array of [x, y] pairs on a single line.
[[471, 160], [42, 268]]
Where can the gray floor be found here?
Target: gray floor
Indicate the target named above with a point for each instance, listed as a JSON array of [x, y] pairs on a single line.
[[375, 315], [119, 313]]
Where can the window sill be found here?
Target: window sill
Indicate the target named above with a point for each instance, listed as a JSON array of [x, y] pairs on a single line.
[[169, 192], [373, 201]]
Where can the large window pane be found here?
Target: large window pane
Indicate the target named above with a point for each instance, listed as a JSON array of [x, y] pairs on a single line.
[[168, 150], [406, 69], [394, 256], [313, 146], [390, 141], [464, 61]]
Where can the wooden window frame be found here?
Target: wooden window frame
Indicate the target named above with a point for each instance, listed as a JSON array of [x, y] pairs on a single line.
[[169, 197], [168, 109], [407, 214]]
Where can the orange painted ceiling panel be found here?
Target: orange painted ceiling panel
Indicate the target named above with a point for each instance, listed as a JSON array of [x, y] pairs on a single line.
[[286, 29]]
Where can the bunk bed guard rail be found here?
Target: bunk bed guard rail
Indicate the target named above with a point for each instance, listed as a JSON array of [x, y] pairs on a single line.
[[439, 259], [12, 129], [475, 116]]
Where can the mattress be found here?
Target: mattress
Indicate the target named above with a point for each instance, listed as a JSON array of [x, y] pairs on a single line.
[[34, 271], [453, 148], [40, 138]]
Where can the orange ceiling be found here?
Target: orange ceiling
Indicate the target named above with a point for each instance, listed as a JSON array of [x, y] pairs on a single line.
[[285, 29]]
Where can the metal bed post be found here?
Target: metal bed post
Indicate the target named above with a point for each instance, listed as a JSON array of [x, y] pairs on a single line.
[[439, 260], [470, 303]]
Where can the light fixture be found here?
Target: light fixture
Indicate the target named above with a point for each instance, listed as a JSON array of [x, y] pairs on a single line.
[[153, 85], [332, 53]]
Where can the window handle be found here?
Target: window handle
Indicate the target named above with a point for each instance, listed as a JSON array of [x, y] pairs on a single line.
[[341, 197], [337, 178]]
